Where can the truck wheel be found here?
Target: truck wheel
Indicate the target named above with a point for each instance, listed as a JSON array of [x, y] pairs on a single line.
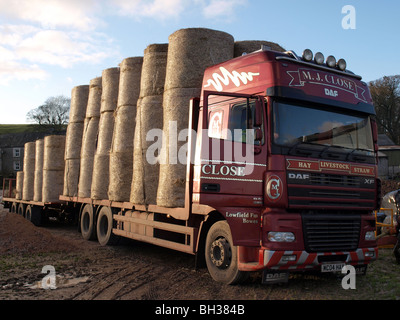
[[14, 207], [104, 227], [221, 255], [34, 214], [21, 209], [88, 230]]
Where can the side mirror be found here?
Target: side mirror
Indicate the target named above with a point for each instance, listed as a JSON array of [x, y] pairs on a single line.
[[258, 114]]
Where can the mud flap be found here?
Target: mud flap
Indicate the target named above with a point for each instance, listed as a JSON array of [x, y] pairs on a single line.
[[271, 276]]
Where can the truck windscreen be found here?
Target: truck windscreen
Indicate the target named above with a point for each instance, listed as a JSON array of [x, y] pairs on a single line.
[[296, 125]]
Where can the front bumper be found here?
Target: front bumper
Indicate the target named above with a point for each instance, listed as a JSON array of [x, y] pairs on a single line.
[[302, 260]]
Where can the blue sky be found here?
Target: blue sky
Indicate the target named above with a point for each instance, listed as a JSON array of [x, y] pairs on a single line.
[[49, 46]]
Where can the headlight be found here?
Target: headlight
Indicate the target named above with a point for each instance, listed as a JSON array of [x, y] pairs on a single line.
[[331, 61], [370, 236], [307, 55], [319, 58], [281, 236], [341, 64]]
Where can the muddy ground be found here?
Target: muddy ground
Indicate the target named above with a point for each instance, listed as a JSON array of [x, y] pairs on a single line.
[[137, 271]]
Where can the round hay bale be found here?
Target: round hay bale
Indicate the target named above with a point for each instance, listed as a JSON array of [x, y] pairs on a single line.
[[171, 186], [100, 179], [129, 82], [121, 165], [145, 173], [191, 51], [94, 100], [53, 152], [53, 167], [124, 127], [19, 185], [29, 170], [154, 69], [110, 88], [52, 185], [106, 129], [71, 177], [38, 184], [73, 142], [249, 46], [79, 100], [87, 156]]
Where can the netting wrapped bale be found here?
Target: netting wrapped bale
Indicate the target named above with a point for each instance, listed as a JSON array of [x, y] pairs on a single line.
[[121, 153], [71, 177], [110, 88], [249, 46], [73, 144], [19, 185], [89, 139], [37, 192], [109, 100], [79, 99], [29, 170], [87, 156], [149, 116], [53, 168], [190, 52], [94, 99]]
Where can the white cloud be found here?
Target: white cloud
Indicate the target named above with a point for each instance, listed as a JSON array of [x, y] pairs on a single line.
[[159, 9], [221, 8], [78, 14]]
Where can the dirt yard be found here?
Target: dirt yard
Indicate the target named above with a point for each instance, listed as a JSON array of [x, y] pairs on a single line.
[[137, 271]]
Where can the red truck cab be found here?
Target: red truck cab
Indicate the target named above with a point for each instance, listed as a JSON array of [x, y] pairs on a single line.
[[287, 154]]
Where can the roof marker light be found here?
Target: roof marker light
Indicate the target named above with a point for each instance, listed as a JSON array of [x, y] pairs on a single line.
[[307, 55], [331, 61], [341, 64], [319, 58]]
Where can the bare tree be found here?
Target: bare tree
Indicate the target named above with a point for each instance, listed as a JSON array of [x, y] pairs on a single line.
[[54, 111], [385, 94]]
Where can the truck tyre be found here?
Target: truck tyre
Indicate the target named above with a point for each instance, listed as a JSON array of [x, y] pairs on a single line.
[[14, 207], [88, 230], [104, 227], [21, 209], [221, 255], [34, 215]]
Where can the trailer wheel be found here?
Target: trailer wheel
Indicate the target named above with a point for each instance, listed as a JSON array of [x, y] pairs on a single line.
[[34, 214], [221, 255], [88, 230], [14, 207], [105, 224], [21, 209]]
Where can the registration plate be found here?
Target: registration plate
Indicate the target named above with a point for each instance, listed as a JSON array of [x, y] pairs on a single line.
[[332, 267]]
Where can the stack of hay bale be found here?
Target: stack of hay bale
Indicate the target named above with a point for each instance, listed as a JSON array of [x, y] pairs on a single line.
[[190, 52], [121, 153], [38, 183], [149, 116], [53, 167], [73, 144], [29, 171], [89, 139], [109, 98]]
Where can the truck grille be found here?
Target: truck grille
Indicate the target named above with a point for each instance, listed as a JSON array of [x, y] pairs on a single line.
[[313, 190], [331, 232]]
